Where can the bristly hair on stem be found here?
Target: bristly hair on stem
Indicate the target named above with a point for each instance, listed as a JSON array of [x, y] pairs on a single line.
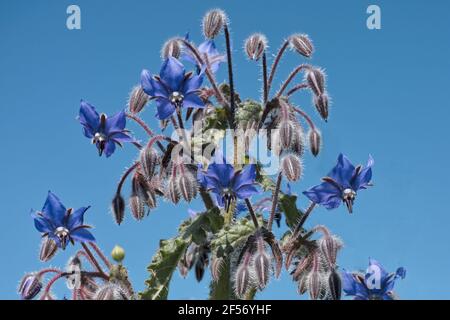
[[274, 201], [265, 83], [230, 73]]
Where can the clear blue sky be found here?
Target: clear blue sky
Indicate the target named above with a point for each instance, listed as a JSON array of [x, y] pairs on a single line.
[[390, 94]]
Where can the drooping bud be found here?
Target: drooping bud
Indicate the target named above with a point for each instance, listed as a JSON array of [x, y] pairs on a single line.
[[302, 44], [314, 141], [138, 99], [118, 208], [172, 192], [89, 287], [315, 78], [302, 285], [48, 249], [216, 266], [314, 277], [213, 22], [111, 291], [118, 253], [171, 48], [329, 246], [149, 159], [255, 46], [335, 285], [242, 276], [286, 129], [182, 268], [73, 270], [137, 207], [187, 185], [321, 103], [291, 167], [30, 286], [261, 262]]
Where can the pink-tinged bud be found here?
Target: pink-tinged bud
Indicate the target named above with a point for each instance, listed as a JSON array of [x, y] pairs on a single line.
[[187, 185], [335, 285], [315, 78], [255, 46], [48, 249], [171, 48], [261, 263], [314, 141], [110, 291], [213, 22], [242, 280], [30, 286], [302, 285], [182, 268], [137, 207], [329, 246], [291, 167], [286, 131], [138, 99], [216, 267], [321, 103], [314, 284], [302, 44], [118, 208], [172, 192], [149, 159], [89, 287]]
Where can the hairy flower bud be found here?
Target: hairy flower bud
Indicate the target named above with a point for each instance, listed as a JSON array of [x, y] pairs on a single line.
[[30, 286], [172, 192], [213, 21], [187, 185], [315, 78], [48, 249], [291, 167], [321, 103], [74, 273], [216, 266], [329, 246], [138, 99], [149, 159], [335, 285], [118, 253], [111, 291], [255, 46], [286, 132], [137, 207], [242, 280], [314, 141], [118, 208], [89, 287], [261, 262], [171, 48], [302, 44], [314, 284]]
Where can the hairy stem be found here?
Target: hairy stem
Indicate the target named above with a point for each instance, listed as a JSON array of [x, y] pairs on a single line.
[[230, 74], [252, 213], [306, 117], [291, 77], [265, 83], [92, 258], [207, 200], [303, 219], [100, 254], [296, 88], [274, 201], [125, 175], [275, 63], [141, 123]]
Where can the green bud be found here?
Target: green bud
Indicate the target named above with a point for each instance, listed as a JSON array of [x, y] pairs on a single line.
[[118, 253]]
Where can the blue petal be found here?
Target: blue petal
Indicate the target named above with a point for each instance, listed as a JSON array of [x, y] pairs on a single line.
[[76, 218], [362, 181], [172, 73], [246, 176], [246, 191], [116, 123], [401, 273], [343, 171], [165, 108], [82, 235], [192, 84], [121, 137], [110, 147], [222, 173], [88, 117], [192, 100], [348, 283], [41, 223], [325, 194], [151, 86], [54, 210]]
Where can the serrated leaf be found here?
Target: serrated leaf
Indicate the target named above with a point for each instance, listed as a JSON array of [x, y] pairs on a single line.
[[161, 268], [196, 228], [231, 236]]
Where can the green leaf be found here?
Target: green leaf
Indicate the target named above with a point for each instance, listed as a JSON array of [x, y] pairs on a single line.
[[231, 236], [196, 228], [288, 204], [161, 268]]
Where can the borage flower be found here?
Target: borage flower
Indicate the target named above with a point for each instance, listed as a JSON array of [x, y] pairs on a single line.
[[104, 131], [61, 224], [209, 52], [228, 184], [376, 284], [341, 184], [173, 88]]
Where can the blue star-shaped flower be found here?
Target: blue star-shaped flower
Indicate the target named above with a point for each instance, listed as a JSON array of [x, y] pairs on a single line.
[[61, 224], [228, 184], [173, 88], [104, 131], [376, 284], [206, 49], [341, 184]]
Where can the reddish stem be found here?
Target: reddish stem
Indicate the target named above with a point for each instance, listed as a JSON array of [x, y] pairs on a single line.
[[100, 254], [141, 123]]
